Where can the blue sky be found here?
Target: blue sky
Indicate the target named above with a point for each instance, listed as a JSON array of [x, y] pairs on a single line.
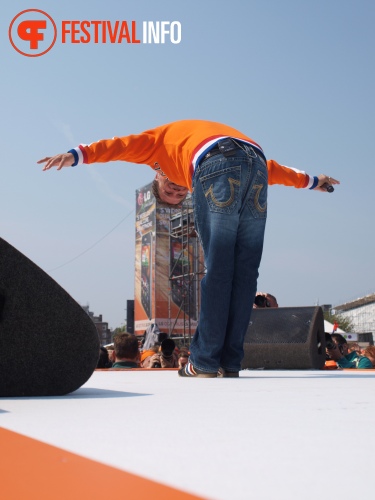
[[296, 76]]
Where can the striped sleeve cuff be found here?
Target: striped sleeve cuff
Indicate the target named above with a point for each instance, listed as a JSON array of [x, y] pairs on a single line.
[[313, 182], [79, 155]]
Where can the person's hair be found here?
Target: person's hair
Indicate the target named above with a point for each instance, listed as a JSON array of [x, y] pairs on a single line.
[[340, 339], [272, 297], [103, 361], [153, 348], [125, 345], [354, 346], [183, 353], [155, 192], [162, 336], [370, 350]]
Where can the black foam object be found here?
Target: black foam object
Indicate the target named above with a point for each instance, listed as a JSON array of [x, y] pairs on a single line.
[[285, 338], [49, 346]]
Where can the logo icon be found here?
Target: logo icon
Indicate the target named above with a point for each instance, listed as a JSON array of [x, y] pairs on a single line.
[[32, 32]]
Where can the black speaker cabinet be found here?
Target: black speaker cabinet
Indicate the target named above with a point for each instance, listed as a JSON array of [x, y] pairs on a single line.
[[130, 316], [49, 346], [285, 338]]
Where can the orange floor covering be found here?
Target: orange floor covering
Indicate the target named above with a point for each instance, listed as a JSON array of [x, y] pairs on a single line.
[[30, 469]]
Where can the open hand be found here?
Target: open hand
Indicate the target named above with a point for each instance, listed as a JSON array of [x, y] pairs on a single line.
[[59, 161], [324, 181]]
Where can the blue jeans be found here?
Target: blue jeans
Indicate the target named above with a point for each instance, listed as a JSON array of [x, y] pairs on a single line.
[[230, 210]]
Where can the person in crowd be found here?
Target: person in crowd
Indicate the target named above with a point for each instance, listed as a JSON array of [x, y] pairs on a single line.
[[166, 357], [369, 352], [228, 175], [126, 351], [110, 351], [264, 299], [103, 361], [147, 355], [153, 347], [183, 357], [339, 352], [354, 346]]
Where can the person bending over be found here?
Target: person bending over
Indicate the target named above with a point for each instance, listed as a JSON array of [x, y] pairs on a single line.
[[228, 175]]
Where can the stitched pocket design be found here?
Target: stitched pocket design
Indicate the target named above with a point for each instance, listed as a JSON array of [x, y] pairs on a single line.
[[222, 189]]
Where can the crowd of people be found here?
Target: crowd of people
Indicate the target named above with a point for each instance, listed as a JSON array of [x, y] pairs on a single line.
[[343, 354], [128, 351]]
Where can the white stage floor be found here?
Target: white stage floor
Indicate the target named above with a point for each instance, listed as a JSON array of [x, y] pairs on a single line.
[[269, 434]]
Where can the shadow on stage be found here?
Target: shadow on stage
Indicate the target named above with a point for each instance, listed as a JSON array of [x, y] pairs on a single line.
[[85, 393]]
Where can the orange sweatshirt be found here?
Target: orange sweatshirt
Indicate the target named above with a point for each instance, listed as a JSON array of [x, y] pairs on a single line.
[[176, 148]]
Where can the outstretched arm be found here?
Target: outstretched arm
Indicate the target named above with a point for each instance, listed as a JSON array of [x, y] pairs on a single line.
[[287, 176], [132, 148]]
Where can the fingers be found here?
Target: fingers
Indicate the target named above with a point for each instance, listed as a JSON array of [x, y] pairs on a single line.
[[49, 162], [61, 164], [324, 181], [59, 161], [44, 159], [331, 180]]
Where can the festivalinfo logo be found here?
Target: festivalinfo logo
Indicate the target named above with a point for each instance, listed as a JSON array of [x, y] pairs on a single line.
[[33, 32]]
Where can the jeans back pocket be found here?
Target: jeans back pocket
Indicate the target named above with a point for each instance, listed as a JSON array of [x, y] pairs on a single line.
[[221, 188], [257, 199]]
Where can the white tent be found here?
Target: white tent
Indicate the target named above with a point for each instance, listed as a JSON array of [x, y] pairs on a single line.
[[328, 328]]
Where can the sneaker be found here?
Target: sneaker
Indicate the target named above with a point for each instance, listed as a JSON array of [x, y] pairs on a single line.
[[224, 374], [189, 371]]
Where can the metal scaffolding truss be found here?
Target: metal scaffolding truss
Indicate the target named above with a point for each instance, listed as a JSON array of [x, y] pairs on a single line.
[[186, 270]]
